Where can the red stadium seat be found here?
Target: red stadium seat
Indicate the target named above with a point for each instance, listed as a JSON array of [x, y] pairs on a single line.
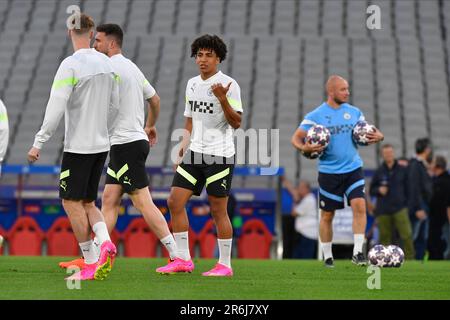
[[60, 239], [3, 234], [255, 241], [207, 240], [139, 241], [192, 241], [25, 238], [115, 237]]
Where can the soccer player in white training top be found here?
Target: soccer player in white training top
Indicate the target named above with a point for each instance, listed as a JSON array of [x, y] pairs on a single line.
[[4, 133], [130, 142], [86, 93], [213, 110]]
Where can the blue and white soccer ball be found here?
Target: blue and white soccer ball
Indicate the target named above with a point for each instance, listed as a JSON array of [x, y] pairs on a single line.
[[397, 256], [379, 256], [317, 135], [360, 131]]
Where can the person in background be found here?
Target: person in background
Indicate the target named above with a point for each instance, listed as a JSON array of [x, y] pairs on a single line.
[[420, 192], [306, 220], [439, 209], [390, 187], [290, 197], [403, 161]]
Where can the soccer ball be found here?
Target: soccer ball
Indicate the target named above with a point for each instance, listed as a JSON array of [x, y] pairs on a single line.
[[397, 256], [360, 131], [379, 256], [317, 135]]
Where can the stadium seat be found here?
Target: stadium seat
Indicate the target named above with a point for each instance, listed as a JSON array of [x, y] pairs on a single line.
[[60, 239], [192, 241], [138, 239], [115, 237], [255, 240], [207, 240], [25, 238]]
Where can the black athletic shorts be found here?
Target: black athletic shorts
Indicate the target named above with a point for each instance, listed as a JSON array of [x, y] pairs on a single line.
[[80, 175], [127, 165], [198, 170], [333, 187]]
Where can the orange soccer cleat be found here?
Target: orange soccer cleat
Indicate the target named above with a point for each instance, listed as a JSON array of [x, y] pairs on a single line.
[[79, 263]]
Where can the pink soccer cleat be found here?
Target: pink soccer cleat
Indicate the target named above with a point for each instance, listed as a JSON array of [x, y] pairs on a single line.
[[219, 270], [177, 265], [108, 252], [86, 273]]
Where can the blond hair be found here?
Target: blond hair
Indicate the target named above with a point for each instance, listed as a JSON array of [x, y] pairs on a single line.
[[86, 24]]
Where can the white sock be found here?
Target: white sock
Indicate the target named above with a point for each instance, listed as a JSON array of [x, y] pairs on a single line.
[[171, 246], [88, 250], [182, 241], [97, 246], [225, 251], [358, 238], [327, 253], [101, 232]]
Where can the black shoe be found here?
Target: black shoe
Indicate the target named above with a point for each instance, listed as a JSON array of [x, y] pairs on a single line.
[[329, 263], [359, 259]]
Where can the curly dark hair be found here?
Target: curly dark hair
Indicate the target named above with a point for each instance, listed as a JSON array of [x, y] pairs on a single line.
[[209, 42]]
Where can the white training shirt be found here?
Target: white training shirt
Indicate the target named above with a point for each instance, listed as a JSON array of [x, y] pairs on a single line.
[[211, 133], [307, 221], [134, 88], [4, 131], [85, 90]]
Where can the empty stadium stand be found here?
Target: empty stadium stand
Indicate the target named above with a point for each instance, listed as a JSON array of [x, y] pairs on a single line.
[[280, 52]]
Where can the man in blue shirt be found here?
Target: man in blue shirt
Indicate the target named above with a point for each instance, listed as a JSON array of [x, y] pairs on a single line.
[[340, 166]]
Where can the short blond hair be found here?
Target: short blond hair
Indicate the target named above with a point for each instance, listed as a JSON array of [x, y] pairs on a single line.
[[86, 24]]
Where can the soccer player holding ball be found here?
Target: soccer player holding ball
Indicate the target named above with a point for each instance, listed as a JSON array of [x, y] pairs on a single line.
[[340, 166], [213, 109]]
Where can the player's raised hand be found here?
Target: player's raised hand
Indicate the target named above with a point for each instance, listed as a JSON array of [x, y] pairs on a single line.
[[220, 91], [374, 137], [33, 154], [152, 135]]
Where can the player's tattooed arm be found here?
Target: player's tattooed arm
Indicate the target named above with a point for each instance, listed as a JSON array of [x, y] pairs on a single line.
[[298, 141], [233, 117]]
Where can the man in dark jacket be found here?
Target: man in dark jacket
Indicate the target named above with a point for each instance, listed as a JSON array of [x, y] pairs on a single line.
[[439, 209], [390, 186], [420, 191]]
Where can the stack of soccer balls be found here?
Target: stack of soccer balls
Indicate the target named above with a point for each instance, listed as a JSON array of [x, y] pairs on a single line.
[[386, 257], [317, 135]]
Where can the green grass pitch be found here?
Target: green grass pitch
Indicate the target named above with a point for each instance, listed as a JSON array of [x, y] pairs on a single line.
[[41, 278]]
